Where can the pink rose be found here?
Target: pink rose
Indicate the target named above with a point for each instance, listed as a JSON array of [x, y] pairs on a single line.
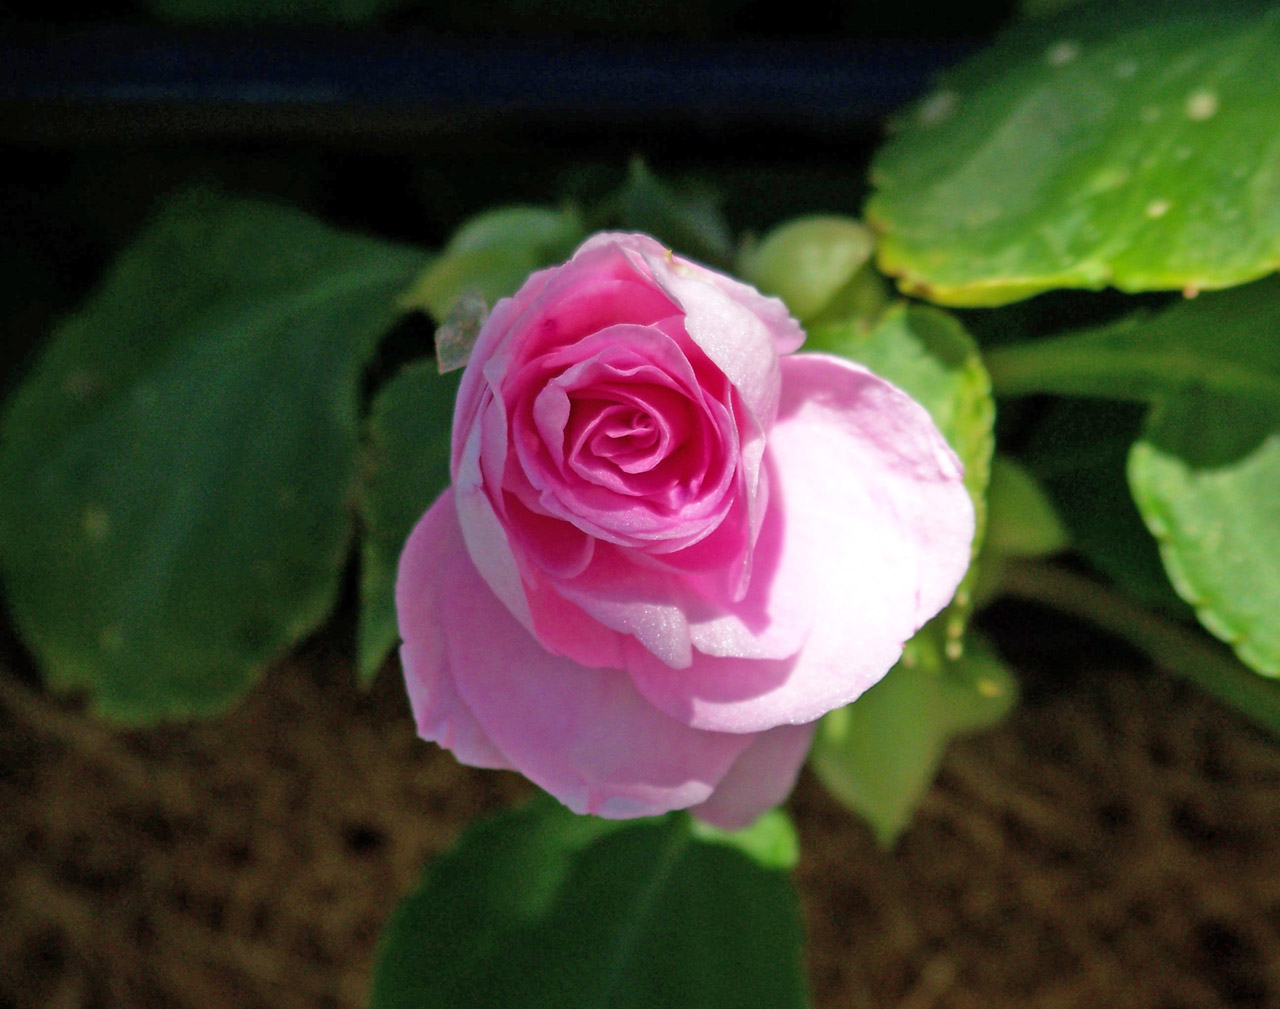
[[669, 546]]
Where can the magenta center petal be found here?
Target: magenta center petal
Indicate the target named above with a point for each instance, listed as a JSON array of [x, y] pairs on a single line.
[[631, 438], [620, 436]]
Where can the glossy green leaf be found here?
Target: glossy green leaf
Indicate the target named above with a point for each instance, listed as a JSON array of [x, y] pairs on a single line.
[[686, 217], [406, 469], [1108, 145], [879, 754], [927, 353], [302, 12], [541, 908], [1206, 472], [179, 466], [492, 255]]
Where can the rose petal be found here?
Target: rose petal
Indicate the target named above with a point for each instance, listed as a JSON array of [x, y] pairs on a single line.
[[873, 534], [787, 335], [584, 735], [731, 335], [663, 611], [440, 713], [760, 779], [486, 539]]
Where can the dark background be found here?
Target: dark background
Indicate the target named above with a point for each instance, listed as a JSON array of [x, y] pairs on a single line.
[[405, 128]]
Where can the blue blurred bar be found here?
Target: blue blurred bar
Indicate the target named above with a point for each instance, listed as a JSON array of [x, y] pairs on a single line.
[[802, 85]]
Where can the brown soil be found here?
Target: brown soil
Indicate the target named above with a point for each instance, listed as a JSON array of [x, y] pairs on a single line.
[[1116, 846]]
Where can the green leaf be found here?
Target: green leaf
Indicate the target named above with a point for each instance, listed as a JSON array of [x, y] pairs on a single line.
[[538, 907], [1206, 477], [879, 754], [492, 255], [808, 261], [407, 467], [1079, 450], [179, 466], [927, 353], [316, 12], [685, 217], [1206, 472], [1104, 146], [1222, 343]]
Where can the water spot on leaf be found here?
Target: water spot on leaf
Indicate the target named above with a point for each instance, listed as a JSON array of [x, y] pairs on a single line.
[[97, 523], [1202, 105], [1157, 208], [1061, 53], [1108, 179]]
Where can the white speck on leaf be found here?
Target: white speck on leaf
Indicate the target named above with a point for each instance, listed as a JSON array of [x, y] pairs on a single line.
[[97, 523], [1108, 178], [1157, 208], [1202, 105], [937, 108]]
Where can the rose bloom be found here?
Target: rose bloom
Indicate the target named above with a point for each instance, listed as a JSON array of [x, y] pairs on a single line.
[[671, 543]]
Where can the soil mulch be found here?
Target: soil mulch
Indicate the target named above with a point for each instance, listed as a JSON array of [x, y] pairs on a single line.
[[1113, 845]]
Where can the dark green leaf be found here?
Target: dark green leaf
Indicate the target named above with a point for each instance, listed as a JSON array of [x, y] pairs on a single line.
[[686, 218], [1108, 145], [179, 467], [407, 468], [541, 908], [1079, 452]]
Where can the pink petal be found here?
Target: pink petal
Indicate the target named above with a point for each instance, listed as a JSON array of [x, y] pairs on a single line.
[[584, 735], [486, 539], [760, 779], [440, 713], [736, 339], [872, 532]]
